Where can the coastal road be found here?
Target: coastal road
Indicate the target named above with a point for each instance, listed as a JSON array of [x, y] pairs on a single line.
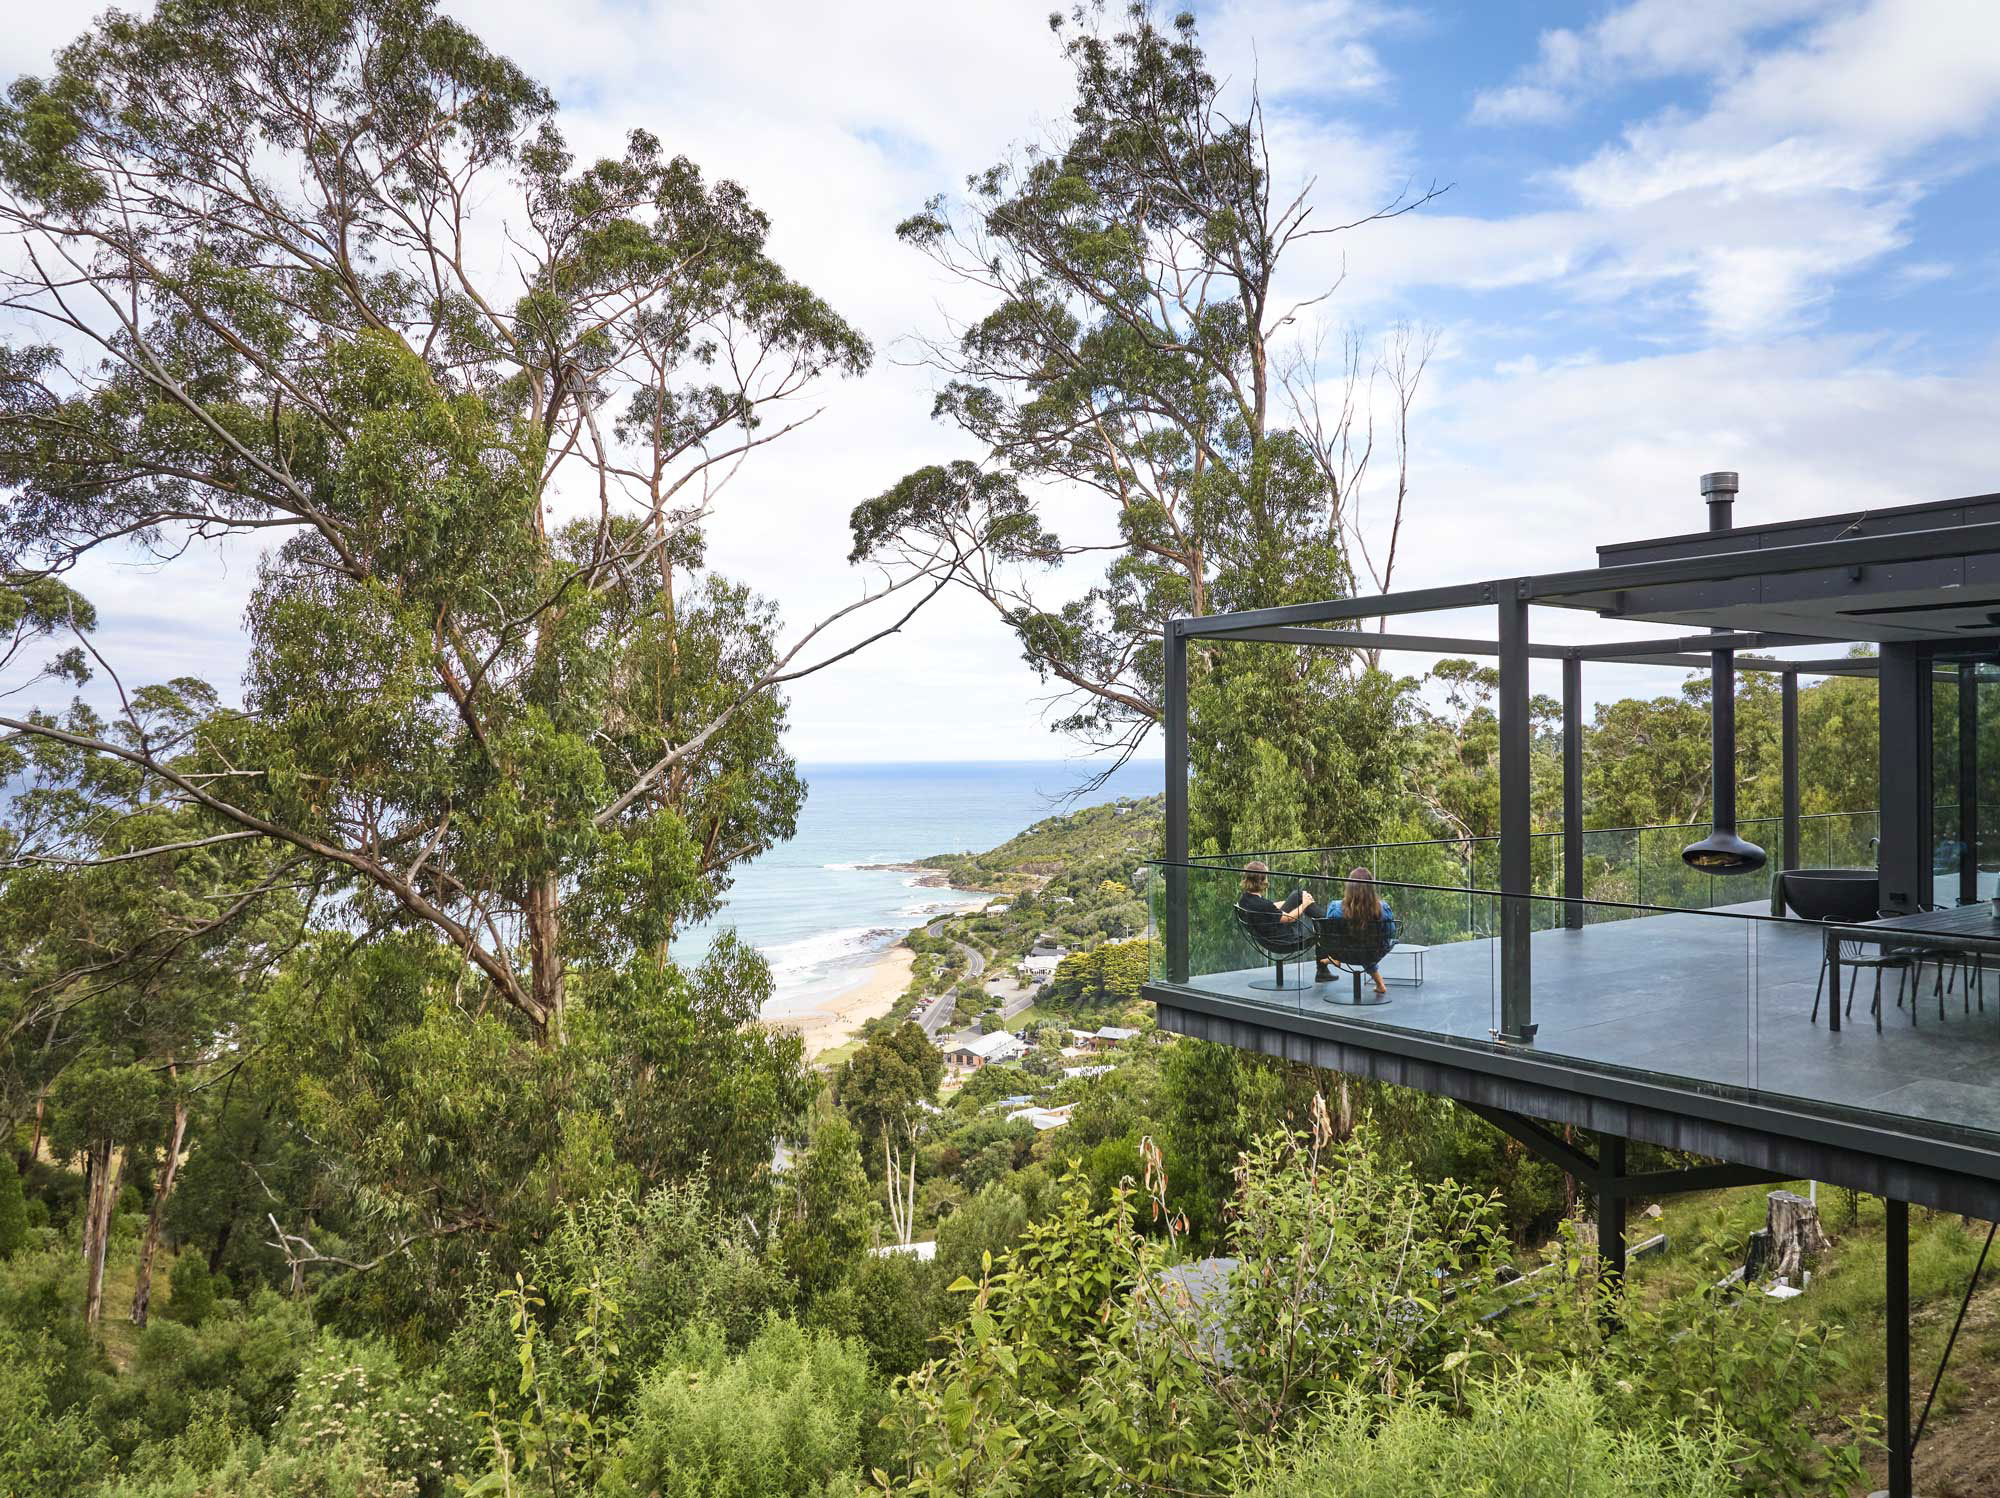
[[936, 1012]]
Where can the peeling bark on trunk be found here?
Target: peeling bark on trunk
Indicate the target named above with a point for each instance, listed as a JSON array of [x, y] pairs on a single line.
[[545, 955], [106, 1166], [901, 1184], [35, 1144], [142, 1290]]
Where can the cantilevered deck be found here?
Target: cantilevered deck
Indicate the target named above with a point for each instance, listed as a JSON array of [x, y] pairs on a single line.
[[1699, 1021], [1716, 1003]]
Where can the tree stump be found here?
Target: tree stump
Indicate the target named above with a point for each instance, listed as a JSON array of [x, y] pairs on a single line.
[[1796, 1238]]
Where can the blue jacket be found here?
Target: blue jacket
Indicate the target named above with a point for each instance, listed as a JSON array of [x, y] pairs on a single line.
[[1388, 923]]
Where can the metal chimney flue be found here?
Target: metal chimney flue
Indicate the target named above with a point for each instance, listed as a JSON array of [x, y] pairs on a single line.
[[1722, 851]]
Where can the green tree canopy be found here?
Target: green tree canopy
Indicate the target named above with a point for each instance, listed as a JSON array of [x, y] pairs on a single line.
[[1136, 349], [493, 690]]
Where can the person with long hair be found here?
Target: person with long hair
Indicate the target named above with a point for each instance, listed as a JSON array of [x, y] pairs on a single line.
[[1272, 918], [1361, 907]]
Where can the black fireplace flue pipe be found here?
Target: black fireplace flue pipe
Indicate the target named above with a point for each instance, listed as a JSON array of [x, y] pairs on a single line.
[[1722, 851]]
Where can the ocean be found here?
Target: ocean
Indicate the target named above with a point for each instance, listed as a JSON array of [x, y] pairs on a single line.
[[820, 916]]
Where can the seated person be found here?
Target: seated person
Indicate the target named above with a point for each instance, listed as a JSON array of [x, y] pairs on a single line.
[[1270, 920], [1358, 908]]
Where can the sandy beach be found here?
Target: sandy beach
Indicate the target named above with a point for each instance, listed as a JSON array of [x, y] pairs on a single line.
[[839, 1018]]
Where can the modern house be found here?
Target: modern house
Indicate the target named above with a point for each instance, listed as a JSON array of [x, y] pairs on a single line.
[[1609, 979]]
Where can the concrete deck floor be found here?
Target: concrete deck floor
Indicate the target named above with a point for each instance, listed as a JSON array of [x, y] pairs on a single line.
[[1701, 999]]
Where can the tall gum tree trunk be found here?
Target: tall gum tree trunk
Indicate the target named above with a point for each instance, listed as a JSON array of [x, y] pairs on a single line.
[[545, 955], [142, 1290], [35, 1144], [107, 1164]]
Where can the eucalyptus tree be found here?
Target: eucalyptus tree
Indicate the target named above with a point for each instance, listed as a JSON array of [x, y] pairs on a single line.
[[329, 278], [136, 934], [884, 1088], [1136, 348]]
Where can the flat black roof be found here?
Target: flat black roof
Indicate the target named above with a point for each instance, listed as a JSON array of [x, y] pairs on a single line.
[[1878, 520]]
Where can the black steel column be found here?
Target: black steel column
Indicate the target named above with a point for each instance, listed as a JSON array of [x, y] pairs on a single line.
[[1904, 715], [1968, 782], [1176, 713], [1573, 790], [1611, 1205], [1789, 754], [1897, 1308], [1516, 852]]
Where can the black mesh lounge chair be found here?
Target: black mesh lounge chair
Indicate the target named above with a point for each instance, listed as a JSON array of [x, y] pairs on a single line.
[[1294, 946], [1356, 948]]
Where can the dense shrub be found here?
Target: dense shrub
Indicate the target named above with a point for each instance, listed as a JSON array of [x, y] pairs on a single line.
[[13, 1210], [190, 1291], [1519, 1435], [41, 1307], [1087, 1365], [783, 1419], [897, 1301], [237, 1368], [47, 1445]]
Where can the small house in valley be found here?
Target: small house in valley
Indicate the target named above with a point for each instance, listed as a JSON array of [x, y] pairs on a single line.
[[983, 1050], [1106, 1038]]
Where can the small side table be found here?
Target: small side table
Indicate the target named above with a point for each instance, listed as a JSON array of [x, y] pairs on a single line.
[[1413, 974]]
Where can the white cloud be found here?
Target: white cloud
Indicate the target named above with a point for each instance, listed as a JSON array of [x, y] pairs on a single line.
[[1641, 39], [1725, 226], [1805, 161], [1296, 49]]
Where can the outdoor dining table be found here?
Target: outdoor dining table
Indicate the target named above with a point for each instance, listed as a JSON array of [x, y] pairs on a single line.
[[1962, 928]]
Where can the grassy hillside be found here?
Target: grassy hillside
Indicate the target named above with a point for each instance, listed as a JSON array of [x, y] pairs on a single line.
[[1109, 840]]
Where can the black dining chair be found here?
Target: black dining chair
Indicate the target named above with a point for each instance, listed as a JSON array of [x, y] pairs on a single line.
[[1955, 966], [1857, 953]]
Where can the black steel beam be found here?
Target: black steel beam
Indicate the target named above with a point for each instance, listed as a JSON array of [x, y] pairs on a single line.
[[1572, 813], [1794, 1141], [1517, 1008], [1538, 1140], [1943, 543], [1788, 752], [1695, 1178], [1683, 644], [1176, 706], [1362, 639], [1896, 1309], [1667, 652], [1839, 665], [1383, 606]]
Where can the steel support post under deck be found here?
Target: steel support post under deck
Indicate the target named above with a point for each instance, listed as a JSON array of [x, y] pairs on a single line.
[[1897, 1308], [1968, 782], [1516, 851], [1611, 1199], [1789, 754], [1176, 853], [1573, 790], [1904, 717]]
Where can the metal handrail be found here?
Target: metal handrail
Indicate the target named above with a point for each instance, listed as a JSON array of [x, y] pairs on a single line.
[[1197, 860], [1460, 889]]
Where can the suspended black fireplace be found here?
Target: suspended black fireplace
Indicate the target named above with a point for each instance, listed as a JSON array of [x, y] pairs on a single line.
[[1723, 851]]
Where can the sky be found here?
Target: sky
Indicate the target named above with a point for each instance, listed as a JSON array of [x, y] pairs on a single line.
[[1679, 235]]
